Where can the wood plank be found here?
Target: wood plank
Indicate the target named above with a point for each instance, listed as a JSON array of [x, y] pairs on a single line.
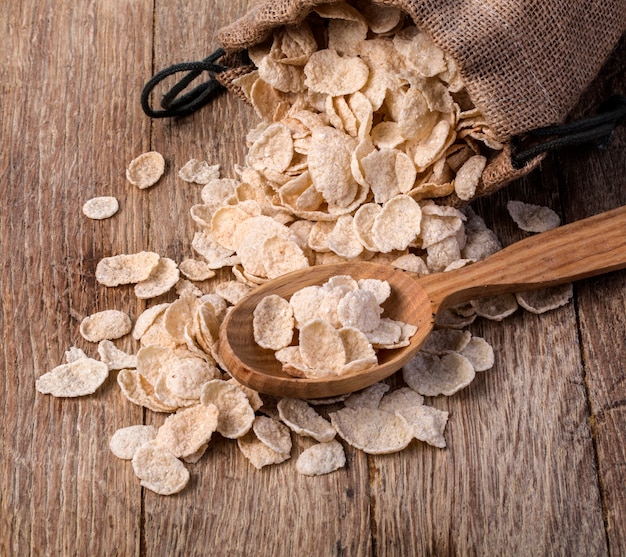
[[520, 447], [230, 508], [67, 131], [527, 439], [601, 302]]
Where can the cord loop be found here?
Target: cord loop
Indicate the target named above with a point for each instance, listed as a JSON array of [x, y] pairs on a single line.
[[173, 105], [597, 129]]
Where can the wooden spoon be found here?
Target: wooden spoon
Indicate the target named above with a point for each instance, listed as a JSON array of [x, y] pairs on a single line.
[[581, 249]]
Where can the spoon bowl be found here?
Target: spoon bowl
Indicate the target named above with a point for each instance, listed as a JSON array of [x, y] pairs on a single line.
[[578, 250], [258, 368]]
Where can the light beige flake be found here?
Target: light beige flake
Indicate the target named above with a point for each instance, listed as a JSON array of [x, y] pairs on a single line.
[[291, 359], [369, 397], [480, 353], [343, 239], [439, 223], [226, 220], [159, 470], [468, 177], [297, 43], [125, 442], [254, 398], [194, 269], [186, 431], [115, 358], [407, 330], [126, 268], [235, 413], [217, 256], [412, 263], [386, 68], [360, 354], [305, 303], [415, 120], [273, 433], [162, 391], [397, 224], [441, 341], [329, 159], [74, 353], [146, 169], [147, 318], [283, 77], [359, 309], [186, 376], [400, 399], [388, 332], [363, 222], [420, 52], [195, 457], [379, 173], [425, 424], [545, 299], [105, 325], [199, 172], [78, 378], [318, 235], [532, 218], [273, 322], [320, 459], [273, 150], [480, 242], [346, 26], [449, 318], [219, 192], [331, 74], [302, 419], [388, 172], [428, 151], [371, 430], [139, 391], [381, 19], [153, 360], [321, 347], [495, 308], [178, 314], [162, 279], [431, 375], [380, 288], [258, 453], [99, 208], [282, 255], [232, 291], [442, 254]]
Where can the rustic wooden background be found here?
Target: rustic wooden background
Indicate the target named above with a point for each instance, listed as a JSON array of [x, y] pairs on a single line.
[[536, 463]]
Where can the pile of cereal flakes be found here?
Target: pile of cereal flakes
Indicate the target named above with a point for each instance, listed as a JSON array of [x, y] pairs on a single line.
[[365, 127]]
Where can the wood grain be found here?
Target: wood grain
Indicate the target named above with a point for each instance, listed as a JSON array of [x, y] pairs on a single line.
[[536, 461], [601, 302], [67, 128]]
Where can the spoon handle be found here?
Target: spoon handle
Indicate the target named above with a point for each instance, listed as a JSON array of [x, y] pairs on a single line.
[[585, 248]]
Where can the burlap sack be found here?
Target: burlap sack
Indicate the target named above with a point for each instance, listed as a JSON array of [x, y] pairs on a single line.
[[524, 63]]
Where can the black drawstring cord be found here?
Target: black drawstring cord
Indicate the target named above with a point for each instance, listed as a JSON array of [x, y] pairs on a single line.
[[598, 129], [172, 105]]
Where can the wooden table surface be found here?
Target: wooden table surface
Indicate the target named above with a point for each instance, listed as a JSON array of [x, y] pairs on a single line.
[[536, 457]]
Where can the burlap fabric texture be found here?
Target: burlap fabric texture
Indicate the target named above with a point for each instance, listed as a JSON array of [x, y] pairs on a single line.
[[524, 63]]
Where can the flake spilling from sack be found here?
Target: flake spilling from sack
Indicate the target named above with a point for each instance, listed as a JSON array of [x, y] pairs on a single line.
[[360, 134]]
